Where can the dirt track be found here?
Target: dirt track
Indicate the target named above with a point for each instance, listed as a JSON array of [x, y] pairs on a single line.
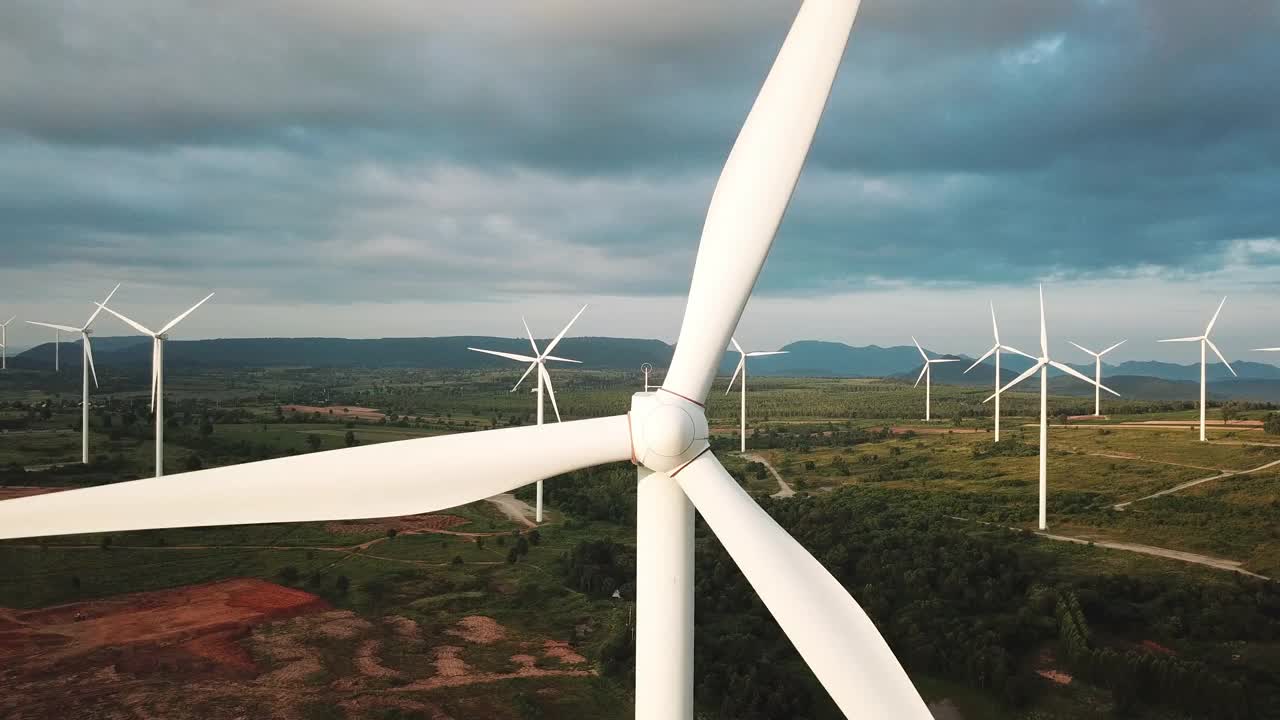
[[784, 490], [1193, 483]]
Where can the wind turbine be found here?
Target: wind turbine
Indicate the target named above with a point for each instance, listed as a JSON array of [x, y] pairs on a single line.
[[544, 378], [158, 338], [927, 373], [1043, 363], [646, 368], [665, 434], [1206, 342], [1097, 374], [4, 343], [86, 368], [995, 350], [742, 368]]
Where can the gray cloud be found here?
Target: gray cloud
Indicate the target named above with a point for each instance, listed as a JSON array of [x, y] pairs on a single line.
[[330, 152]]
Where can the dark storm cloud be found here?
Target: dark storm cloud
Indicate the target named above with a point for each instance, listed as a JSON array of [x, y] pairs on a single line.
[[387, 147]]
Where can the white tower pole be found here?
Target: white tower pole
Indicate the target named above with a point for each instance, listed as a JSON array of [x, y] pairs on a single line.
[[664, 599], [537, 514], [4, 347], [743, 412], [84, 403], [997, 393], [1097, 389], [1203, 382], [57, 349], [1044, 442], [928, 381], [159, 406]]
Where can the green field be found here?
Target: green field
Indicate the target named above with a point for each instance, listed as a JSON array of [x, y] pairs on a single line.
[[925, 524]]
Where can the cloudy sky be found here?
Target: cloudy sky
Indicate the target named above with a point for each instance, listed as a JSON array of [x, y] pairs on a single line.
[[400, 167]]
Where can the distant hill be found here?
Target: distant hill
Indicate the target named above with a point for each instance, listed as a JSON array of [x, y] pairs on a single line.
[[1147, 380]]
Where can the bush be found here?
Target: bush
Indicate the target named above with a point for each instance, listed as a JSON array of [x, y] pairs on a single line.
[[1271, 424]]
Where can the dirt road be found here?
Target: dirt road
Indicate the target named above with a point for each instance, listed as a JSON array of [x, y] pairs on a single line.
[[514, 508], [784, 490], [1193, 483], [1209, 561]]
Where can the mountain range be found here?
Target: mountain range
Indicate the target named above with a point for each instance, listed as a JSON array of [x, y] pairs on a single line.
[[805, 358]]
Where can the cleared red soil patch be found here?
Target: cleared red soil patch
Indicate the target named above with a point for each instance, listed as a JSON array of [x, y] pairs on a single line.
[[936, 430], [201, 621], [9, 493], [410, 524], [360, 413], [1156, 648], [1196, 423]]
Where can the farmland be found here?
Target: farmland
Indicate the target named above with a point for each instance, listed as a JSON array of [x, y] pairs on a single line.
[[470, 613]]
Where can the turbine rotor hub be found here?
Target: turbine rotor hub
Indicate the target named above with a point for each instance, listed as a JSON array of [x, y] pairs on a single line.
[[667, 431]]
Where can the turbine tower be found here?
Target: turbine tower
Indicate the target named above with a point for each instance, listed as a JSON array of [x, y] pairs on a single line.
[[4, 343], [926, 372], [995, 350], [1043, 363], [665, 434], [86, 369], [742, 369], [1097, 374], [158, 338], [544, 378], [1206, 342]]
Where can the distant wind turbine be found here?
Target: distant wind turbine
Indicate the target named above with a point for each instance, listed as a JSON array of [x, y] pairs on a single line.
[[995, 350], [86, 369], [742, 369], [4, 343], [926, 372], [1206, 342], [1043, 363], [544, 378], [1097, 374], [158, 338]]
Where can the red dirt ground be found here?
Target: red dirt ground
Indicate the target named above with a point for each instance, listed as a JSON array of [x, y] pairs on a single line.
[[198, 621], [9, 493], [408, 524], [363, 413]]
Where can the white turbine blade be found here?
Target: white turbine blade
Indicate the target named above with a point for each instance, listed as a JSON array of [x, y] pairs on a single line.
[[551, 392], [1044, 334], [1274, 349], [98, 309], [741, 361], [533, 343], [1016, 351], [1209, 328], [127, 321], [527, 370], [1030, 371], [1218, 352], [183, 316], [368, 481], [1197, 338], [6, 322], [917, 344], [770, 352], [988, 354], [509, 356], [1077, 374], [558, 338], [63, 328], [560, 359], [942, 360], [736, 346], [1113, 347], [1087, 350], [920, 377], [88, 353], [995, 329], [754, 189], [834, 636]]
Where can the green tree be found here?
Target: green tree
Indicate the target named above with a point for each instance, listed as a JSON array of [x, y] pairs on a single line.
[[313, 441]]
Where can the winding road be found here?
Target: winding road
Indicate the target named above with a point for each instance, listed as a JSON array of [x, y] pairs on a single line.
[[784, 490], [1192, 483]]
